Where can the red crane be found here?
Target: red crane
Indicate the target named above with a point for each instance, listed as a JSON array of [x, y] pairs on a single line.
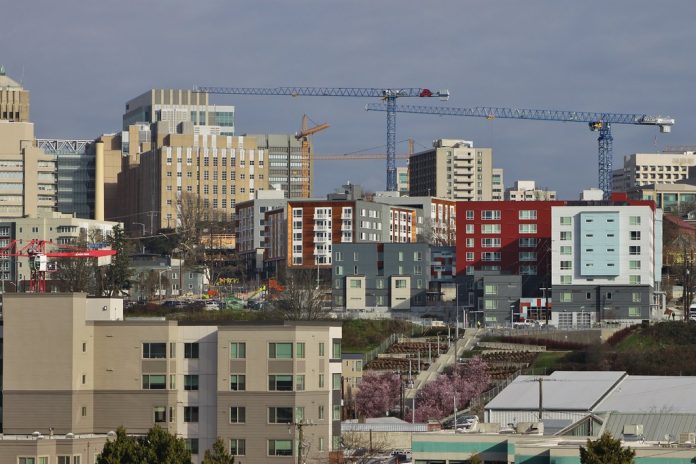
[[35, 250]]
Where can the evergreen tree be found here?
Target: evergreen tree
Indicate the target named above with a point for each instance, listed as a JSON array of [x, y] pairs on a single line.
[[157, 447], [118, 272], [606, 450], [218, 454]]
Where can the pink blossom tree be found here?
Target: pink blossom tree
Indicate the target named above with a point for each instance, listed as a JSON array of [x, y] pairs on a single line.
[[377, 394], [436, 399]]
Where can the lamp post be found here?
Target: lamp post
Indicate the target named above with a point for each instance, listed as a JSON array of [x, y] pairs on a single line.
[[140, 224]]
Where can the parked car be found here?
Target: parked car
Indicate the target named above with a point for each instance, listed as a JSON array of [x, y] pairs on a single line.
[[211, 306], [173, 304]]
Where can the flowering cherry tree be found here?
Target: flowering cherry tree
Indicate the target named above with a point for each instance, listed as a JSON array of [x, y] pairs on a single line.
[[462, 383], [377, 394]]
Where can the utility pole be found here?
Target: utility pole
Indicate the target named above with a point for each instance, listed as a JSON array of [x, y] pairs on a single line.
[[541, 396], [300, 437], [546, 303]]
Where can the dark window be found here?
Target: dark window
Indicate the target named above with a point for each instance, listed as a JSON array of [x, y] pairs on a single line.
[[191, 350], [190, 382]]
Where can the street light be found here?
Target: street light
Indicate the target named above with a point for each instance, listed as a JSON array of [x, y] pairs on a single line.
[[140, 224]]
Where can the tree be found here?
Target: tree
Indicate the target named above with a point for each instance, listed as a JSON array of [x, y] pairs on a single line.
[[377, 394], [158, 446], [79, 274], [364, 447], [218, 454], [302, 297], [606, 450], [118, 272]]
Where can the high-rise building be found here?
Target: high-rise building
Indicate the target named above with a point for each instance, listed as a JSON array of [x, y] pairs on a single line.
[[498, 184], [290, 168], [526, 190], [176, 106], [28, 186], [247, 383], [452, 169], [402, 185], [652, 168]]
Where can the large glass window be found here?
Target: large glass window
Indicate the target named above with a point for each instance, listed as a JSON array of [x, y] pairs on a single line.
[[154, 382], [490, 289], [528, 214], [238, 350], [280, 350], [237, 415], [566, 235], [300, 350], [237, 382], [237, 447], [190, 413], [154, 350], [191, 382], [336, 381], [336, 349], [566, 220], [281, 382], [490, 228], [191, 350], [280, 447], [280, 415], [528, 228]]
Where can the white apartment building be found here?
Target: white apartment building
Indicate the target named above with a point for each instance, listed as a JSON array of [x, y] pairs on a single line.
[[652, 168], [526, 190]]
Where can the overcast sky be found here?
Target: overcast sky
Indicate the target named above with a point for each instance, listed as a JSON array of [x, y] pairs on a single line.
[[82, 60]]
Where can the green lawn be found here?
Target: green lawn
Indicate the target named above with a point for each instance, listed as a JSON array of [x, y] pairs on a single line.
[[546, 361]]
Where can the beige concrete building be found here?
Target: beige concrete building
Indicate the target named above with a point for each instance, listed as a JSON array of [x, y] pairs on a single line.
[[498, 184], [27, 174], [452, 169], [652, 168], [243, 382]]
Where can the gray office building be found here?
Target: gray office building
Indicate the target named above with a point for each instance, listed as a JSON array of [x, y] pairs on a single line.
[[492, 299]]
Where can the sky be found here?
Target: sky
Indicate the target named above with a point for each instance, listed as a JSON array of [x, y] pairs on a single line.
[[82, 60]]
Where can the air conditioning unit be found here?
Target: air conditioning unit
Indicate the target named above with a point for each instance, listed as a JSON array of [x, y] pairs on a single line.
[[633, 429], [687, 438]]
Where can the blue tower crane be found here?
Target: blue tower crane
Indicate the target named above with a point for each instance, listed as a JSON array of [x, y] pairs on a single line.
[[598, 122], [389, 95]]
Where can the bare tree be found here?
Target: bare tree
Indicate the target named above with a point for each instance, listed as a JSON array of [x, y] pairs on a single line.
[[80, 274], [364, 447], [302, 297], [436, 233]]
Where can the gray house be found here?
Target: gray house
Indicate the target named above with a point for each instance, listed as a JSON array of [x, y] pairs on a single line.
[[492, 299], [161, 277]]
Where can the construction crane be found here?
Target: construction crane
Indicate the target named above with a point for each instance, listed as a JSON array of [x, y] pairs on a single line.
[[598, 122], [306, 155], [360, 155], [389, 95], [36, 251]]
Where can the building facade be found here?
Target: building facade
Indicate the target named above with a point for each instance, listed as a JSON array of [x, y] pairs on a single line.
[[245, 383], [402, 184], [606, 261], [526, 190], [652, 168], [452, 169], [291, 165], [492, 299], [498, 184]]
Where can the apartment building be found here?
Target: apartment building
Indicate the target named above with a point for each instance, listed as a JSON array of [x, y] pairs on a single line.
[[176, 106], [652, 168], [402, 184], [452, 169], [526, 190], [275, 240], [606, 262], [435, 217], [492, 299], [244, 382], [498, 184], [678, 198]]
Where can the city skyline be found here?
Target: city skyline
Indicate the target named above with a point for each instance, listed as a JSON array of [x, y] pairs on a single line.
[[537, 55]]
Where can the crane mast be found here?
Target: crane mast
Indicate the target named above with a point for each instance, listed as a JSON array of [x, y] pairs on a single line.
[[389, 95], [598, 122]]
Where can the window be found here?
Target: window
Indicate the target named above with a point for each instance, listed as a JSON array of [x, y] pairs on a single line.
[[280, 350], [237, 447], [490, 228], [238, 350], [633, 311], [566, 265], [528, 242], [490, 256], [470, 215], [469, 228], [400, 283], [528, 256], [62, 460], [281, 382], [634, 250], [321, 380], [336, 381], [470, 242], [634, 280], [190, 382], [160, 413], [635, 297], [490, 242], [566, 220], [154, 382], [566, 297], [634, 264], [528, 214], [336, 349], [237, 415], [489, 215], [354, 283], [299, 382], [528, 269], [191, 350], [190, 413], [191, 444], [280, 447], [418, 256], [566, 250], [635, 235], [280, 415], [528, 228], [320, 413], [469, 255], [29, 460], [321, 349], [154, 350], [634, 220], [608, 295], [566, 235], [237, 382], [566, 280], [490, 304], [490, 289], [300, 350]]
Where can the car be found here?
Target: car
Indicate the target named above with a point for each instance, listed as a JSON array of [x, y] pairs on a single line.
[[173, 304], [211, 306]]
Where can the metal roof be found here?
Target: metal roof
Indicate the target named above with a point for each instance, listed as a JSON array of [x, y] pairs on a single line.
[[652, 394], [655, 425], [562, 390], [382, 424]]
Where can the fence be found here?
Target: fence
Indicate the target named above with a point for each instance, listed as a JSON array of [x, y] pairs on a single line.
[[381, 348]]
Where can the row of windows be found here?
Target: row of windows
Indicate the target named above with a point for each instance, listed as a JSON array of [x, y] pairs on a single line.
[[567, 297], [276, 382], [158, 350], [496, 228], [74, 459], [568, 220], [489, 215]]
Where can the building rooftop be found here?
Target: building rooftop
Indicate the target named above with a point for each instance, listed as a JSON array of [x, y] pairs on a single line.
[[382, 424], [562, 390], [651, 394], [655, 425], [8, 82]]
